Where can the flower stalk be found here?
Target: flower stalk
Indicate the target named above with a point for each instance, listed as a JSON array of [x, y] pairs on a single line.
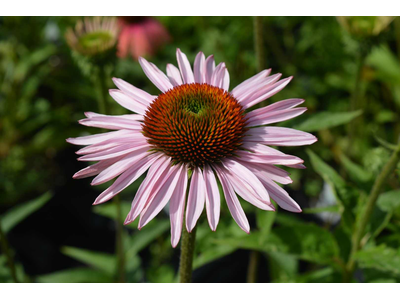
[[368, 209], [187, 251], [119, 245]]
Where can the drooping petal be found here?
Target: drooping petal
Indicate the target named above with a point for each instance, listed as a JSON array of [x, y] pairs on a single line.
[[196, 199], [121, 166], [247, 192], [149, 187], [280, 196], [174, 75], [177, 208], [199, 68], [137, 94], [94, 169], [184, 66], [250, 181], [127, 101], [279, 136], [213, 201], [232, 201], [126, 179], [280, 105], [158, 78], [271, 172], [163, 195]]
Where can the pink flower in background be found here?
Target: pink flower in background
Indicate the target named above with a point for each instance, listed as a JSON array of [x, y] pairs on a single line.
[[195, 131], [140, 36]]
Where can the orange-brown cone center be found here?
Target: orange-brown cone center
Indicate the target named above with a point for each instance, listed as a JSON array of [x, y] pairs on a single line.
[[195, 124]]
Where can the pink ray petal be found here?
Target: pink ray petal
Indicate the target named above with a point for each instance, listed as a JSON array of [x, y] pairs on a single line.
[[210, 67], [184, 66], [111, 122], [128, 102], [121, 166], [174, 75], [280, 105], [238, 170], [233, 202], [271, 159], [177, 208], [247, 193], [113, 152], [159, 79], [213, 201], [280, 196], [163, 195], [148, 188], [137, 94], [126, 179], [249, 82], [279, 136], [262, 95], [225, 81], [95, 169], [199, 68], [196, 199], [271, 172], [95, 138], [275, 116]]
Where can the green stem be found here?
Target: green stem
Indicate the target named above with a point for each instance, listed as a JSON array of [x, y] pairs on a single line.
[[187, 251], [356, 96], [7, 252], [119, 245], [253, 267], [368, 209]]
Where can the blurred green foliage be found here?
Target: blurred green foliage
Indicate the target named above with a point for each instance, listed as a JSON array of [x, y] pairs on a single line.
[[44, 91]]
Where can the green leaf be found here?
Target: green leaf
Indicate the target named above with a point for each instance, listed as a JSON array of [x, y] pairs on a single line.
[[325, 120], [140, 239], [305, 241], [283, 267], [17, 214], [265, 220], [346, 195], [389, 201], [217, 251], [76, 275], [356, 172], [381, 258], [102, 261]]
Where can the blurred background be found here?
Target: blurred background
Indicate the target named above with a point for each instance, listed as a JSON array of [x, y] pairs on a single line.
[[53, 69]]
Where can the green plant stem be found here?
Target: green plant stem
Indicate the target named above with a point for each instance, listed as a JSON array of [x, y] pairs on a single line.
[[356, 96], [187, 251], [259, 43], [253, 266], [119, 245], [365, 215], [7, 252], [260, 62]]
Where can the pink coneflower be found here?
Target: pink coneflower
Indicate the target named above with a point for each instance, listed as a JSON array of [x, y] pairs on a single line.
[[197, 131], [140, 36]]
